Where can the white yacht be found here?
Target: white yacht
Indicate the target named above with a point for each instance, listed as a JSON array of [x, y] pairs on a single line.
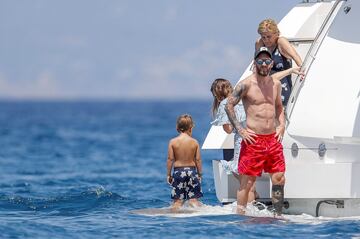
[[322, 138]]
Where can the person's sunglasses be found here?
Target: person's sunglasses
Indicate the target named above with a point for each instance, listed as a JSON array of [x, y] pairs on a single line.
[[261, 61]]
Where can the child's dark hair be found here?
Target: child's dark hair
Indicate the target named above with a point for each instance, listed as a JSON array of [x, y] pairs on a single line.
[[184, 123], [220, 90]]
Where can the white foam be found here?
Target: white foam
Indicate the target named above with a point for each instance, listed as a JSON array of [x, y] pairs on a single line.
[[229, 209], [308, 219], [204, 210]]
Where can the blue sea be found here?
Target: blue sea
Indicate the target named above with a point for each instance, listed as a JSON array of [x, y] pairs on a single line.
[[83, 170]]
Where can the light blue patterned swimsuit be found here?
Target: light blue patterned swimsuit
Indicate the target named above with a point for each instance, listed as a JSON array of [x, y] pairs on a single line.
[[221, 118]]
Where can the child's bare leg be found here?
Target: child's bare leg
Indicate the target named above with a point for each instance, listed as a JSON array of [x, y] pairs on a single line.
[[194, 202], [177, 204]]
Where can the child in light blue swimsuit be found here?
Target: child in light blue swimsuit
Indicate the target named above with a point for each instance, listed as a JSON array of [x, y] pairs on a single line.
[[221, 119], [221, 89]]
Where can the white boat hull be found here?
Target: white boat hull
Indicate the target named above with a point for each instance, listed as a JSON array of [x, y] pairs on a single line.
[[226, 187], [325, 207]]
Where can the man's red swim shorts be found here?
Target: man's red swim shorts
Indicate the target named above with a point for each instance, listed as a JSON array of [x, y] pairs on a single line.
[[265, 154]]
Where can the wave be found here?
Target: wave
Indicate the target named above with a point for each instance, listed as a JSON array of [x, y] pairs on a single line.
[[75, 202]]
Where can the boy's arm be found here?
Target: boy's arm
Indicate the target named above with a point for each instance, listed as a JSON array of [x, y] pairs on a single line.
[[170, 162], [198, 160]]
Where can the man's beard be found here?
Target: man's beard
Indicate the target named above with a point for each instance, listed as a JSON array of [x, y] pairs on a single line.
[[263, 72]]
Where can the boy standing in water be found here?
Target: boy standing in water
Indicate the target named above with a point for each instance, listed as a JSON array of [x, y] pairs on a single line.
[[184, 157]]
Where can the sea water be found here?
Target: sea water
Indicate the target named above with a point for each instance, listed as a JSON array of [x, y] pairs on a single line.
[[91, 170]]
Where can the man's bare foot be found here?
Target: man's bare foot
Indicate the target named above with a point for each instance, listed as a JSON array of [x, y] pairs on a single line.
[[279, 216], [240, 209]]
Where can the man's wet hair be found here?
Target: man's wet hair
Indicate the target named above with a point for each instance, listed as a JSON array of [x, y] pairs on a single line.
[[184, 123]]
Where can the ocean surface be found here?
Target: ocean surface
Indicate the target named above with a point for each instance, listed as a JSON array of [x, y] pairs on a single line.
[[96, 169]]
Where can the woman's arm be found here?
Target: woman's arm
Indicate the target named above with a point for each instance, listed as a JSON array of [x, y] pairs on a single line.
[[281, 74], [258, 44], [288, 50]]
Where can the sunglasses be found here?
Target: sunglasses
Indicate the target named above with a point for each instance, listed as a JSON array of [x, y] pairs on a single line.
[[261, 61]]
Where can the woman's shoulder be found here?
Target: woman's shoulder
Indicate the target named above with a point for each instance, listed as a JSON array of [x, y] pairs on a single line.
[[282, 40]]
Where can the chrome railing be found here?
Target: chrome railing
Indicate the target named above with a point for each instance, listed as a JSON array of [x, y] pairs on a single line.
[[310, 57]]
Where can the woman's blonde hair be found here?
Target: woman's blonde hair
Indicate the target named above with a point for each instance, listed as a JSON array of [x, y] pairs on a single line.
[[268, 25], [220, 89]]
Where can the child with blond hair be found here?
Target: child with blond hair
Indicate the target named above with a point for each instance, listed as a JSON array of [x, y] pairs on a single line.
[[185, 160]]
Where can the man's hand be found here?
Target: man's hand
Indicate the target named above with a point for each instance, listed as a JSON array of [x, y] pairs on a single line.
[[247, 135], [280, 130], [169, 179]]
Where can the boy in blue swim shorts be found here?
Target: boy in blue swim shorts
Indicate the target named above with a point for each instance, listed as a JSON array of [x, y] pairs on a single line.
[[184, 157]]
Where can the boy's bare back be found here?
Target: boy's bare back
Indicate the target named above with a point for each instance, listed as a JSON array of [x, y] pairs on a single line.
[[184, 150]]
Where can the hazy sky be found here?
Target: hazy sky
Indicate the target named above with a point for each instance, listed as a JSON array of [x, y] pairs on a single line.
[[159, 49]]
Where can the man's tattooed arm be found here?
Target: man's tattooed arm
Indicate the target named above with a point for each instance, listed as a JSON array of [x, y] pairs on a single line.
[[233, 100]]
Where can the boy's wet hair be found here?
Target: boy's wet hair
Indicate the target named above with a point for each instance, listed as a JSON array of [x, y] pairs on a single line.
[[184, 123]]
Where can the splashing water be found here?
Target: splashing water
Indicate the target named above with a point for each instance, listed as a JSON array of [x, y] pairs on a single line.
[[253, 209]]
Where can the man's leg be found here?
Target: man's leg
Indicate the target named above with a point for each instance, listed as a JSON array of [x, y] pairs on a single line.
[[246, 183], [252, 194], [277, 191]]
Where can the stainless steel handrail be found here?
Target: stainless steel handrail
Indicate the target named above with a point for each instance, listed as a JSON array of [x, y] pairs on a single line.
[[301, 40], [309, 58]]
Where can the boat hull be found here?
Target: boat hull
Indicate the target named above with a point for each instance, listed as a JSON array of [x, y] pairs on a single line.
[[226, 187]]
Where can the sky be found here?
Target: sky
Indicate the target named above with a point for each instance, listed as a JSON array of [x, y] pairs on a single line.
[[126, 49]]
